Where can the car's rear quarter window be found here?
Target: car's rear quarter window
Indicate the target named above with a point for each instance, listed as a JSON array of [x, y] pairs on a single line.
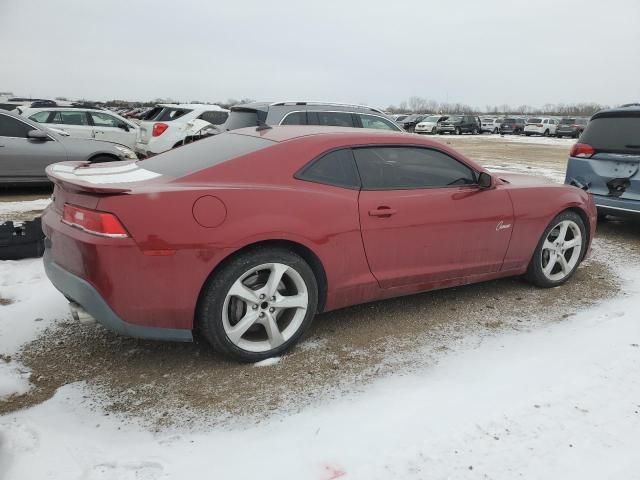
[[204, 154], [619, 134]]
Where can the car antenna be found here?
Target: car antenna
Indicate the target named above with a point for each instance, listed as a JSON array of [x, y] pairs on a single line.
[[262, 126]]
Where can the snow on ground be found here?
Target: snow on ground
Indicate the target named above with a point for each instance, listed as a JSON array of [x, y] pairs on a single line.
[[562, 401], [518, 139], [510, 167], [8, 209], [29, 304]]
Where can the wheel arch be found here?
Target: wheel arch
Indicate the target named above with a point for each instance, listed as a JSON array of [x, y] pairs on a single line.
[[302, 250], [114, 158]]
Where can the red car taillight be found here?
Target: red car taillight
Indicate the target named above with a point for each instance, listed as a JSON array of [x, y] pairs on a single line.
[[582, 150], [159, 129], [93, 221]]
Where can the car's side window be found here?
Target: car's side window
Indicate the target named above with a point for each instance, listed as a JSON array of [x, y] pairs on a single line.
[[214, 117], [334, 119], [295, 118], [10, 127], [40, 117], [104, 120], [335, 168], [379, 123], [70, 118], [398, 168]]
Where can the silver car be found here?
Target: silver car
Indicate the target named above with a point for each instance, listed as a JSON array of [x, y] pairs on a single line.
[[26, 148]]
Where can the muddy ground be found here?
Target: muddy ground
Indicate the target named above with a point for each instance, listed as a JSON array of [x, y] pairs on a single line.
[[163, 383]]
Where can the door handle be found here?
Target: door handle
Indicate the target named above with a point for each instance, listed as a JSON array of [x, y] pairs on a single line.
[[382, 212]]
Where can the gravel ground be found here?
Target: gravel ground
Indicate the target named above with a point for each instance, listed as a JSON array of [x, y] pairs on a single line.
[[163, 383]]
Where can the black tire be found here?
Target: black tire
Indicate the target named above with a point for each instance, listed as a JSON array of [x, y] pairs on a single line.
[[474, 131], [210, 307], [495, 131], [527, 134], [534, 271], [103, 158], [546, 133], [434, 131]]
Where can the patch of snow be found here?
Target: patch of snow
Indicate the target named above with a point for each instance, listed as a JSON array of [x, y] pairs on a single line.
[[550, 173], [561, 401], [9, 208], [14, 380], [267, 362], [568, 142], [34, 303]]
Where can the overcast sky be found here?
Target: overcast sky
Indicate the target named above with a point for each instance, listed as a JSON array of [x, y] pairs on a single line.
[[478, 52]]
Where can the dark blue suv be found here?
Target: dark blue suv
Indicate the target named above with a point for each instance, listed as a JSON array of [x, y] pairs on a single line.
[[606, 160]]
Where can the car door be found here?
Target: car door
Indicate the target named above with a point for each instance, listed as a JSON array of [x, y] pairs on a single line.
[[425, 220], [25, 158], [75, 122], [111, 129]]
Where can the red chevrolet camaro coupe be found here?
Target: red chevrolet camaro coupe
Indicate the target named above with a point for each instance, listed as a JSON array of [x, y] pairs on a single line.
[[247, 235]]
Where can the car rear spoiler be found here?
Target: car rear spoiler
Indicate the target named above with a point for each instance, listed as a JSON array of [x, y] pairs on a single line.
[[103, 178]]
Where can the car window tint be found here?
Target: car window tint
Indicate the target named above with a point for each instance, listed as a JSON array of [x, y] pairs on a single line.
[[170, 113], [335, 168], [334, 119], [40, 117], [10, 127], [613, 134], [394, 168], [214, 117], [70, 118], [295, 118], [379, 123], [204, 154], [104, 120]]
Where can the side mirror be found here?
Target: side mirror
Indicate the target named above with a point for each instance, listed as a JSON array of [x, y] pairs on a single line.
[[123, 126], [484, 180], [37, 135]]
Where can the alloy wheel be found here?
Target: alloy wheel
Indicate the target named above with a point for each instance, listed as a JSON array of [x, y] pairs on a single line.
[[265, 307], [561, 250]]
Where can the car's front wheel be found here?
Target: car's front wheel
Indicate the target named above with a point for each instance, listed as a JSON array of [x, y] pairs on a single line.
[[559, 251], [259, 304], [434, 131]]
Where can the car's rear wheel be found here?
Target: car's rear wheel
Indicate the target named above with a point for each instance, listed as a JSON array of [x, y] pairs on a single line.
[[559, 251], [495, 131], [259, 304], [474, 131]]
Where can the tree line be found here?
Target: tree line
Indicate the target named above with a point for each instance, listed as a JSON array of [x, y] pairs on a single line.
[[423, 105]]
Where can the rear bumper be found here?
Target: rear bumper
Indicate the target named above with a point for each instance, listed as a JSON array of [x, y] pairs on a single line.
[[617, 205], [83, 293]]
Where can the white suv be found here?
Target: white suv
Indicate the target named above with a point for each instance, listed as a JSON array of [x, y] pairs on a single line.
[[91, 123], [170, 125], [491, 125], [541, 126]]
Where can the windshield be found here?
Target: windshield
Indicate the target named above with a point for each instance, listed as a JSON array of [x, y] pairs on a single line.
[[454, 118], [432, 119], [241, 119], [613, 134]]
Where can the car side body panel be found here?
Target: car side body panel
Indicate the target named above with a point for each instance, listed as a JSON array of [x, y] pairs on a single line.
[[154, 278]]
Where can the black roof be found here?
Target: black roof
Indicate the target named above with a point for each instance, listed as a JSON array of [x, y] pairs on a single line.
[[628, 110]]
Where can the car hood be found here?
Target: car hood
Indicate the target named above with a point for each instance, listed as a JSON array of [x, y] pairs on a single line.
[[524, 179]]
